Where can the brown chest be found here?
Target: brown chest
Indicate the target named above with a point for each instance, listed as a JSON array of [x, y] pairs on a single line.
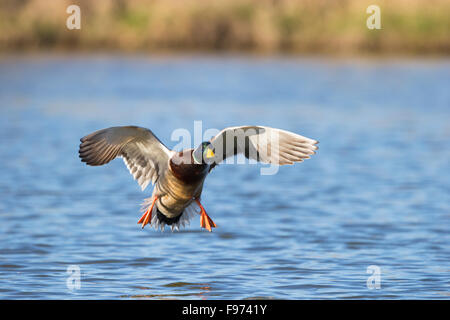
[[183, 168]]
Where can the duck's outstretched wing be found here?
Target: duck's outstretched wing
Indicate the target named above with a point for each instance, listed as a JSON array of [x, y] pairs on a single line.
[[144, 155], [264, 144]]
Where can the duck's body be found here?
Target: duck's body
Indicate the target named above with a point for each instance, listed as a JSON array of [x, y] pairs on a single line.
[[179, 176], [177, 188]]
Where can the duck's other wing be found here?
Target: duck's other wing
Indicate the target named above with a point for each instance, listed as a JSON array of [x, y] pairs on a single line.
[[264, 144]]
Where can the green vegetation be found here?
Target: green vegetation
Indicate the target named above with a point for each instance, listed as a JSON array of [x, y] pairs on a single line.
[[313, 26]]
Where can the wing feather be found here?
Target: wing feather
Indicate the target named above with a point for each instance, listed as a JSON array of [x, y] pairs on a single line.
[[264, 144], [145, 156]]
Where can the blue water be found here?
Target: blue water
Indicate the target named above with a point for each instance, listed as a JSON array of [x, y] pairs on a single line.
[[377, 192]]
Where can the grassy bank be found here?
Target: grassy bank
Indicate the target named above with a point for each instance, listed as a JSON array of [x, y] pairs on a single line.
[[308, 26]]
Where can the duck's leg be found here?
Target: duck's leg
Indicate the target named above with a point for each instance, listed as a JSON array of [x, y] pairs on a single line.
[[148, 214], [205, 221]]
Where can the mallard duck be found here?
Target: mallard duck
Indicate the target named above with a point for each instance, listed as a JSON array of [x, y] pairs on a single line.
[[178, 177]]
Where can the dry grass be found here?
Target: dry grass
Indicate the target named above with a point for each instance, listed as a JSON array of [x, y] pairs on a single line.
[[326, 26]]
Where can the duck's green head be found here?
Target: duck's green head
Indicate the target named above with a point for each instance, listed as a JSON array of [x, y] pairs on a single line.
[[204, 153]]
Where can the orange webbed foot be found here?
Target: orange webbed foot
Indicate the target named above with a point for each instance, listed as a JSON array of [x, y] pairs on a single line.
[[148, 214], [205, 221]]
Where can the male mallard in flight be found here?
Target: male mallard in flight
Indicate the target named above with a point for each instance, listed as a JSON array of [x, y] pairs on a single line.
[[178, 176]]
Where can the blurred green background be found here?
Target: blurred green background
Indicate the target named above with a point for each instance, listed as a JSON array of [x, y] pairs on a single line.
[[261, 26]]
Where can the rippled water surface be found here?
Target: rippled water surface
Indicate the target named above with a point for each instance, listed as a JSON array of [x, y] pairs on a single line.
[[377, 192]]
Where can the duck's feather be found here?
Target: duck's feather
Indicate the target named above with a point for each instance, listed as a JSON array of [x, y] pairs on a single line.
[[188, 213], [264, 144], [145, 156]]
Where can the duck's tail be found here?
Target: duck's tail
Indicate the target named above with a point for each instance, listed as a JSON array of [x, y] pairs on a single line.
[[158, 220]]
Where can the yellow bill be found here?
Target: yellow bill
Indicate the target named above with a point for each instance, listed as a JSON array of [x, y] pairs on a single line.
[[209, 154]]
